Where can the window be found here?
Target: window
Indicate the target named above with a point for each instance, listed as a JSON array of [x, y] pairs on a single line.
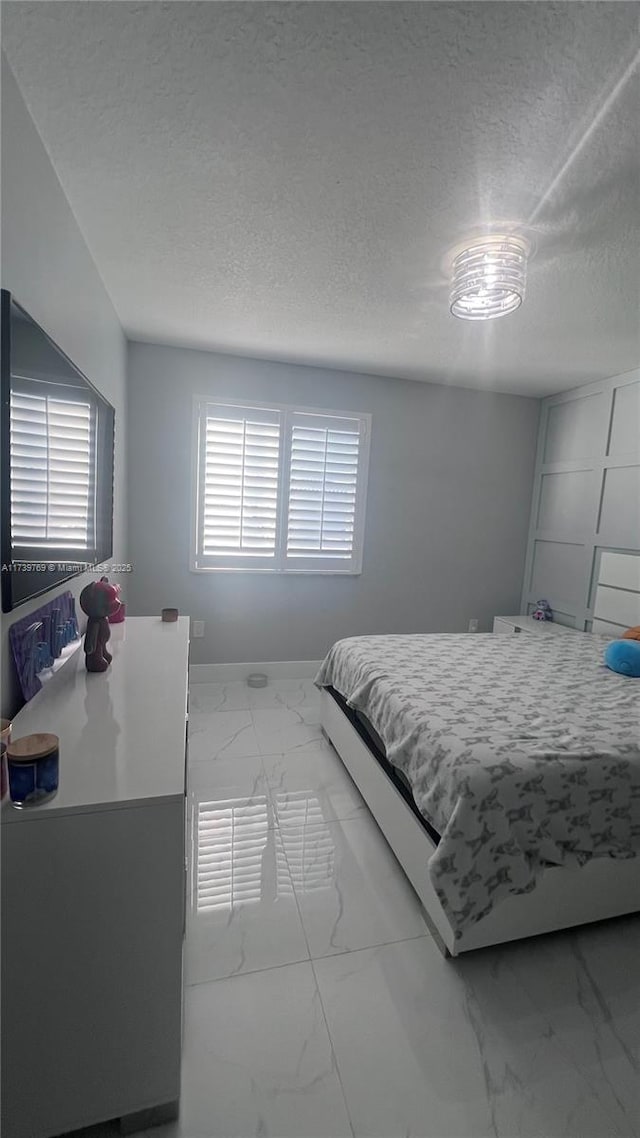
[[279, 489], [52, 473]]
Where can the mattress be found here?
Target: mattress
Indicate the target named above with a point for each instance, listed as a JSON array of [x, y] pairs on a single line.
[[520, 751], [376, 748]]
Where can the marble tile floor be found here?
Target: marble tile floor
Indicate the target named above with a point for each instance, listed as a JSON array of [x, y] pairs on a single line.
[[318, 1006]]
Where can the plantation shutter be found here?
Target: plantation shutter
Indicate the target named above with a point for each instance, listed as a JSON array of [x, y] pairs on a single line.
[[52, 443], [238, 487], [279, 489], [325, 492]]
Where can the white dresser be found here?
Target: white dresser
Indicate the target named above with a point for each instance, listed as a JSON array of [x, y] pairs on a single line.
[[511, 624], [93, 895]]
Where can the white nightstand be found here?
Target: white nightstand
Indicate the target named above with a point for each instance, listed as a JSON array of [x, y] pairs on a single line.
[[511, 624]]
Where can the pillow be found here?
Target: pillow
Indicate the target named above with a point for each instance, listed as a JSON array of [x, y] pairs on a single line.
[[623, 656], [632, 633]]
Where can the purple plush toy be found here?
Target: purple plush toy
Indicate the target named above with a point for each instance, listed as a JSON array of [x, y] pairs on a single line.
[[542, 611]]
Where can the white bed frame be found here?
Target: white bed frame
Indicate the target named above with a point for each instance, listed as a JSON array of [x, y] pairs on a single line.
[[564, 897]]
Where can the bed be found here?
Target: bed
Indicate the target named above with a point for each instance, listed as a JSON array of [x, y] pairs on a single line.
[[504, 771]]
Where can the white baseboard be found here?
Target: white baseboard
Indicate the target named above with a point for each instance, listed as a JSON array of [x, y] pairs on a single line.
[[274, 669]]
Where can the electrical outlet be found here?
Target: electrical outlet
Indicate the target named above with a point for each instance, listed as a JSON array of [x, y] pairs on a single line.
[[473, 626], [197, 629]]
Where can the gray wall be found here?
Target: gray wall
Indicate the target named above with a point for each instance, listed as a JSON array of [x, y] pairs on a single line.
[[586, 494], [48, 268], [447, 510]]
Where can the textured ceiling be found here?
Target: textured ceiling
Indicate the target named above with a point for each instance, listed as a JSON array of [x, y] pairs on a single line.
[[283, 180]]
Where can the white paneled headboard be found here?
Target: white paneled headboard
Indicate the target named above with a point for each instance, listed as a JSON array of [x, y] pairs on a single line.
[[586, 494], [617, 601]]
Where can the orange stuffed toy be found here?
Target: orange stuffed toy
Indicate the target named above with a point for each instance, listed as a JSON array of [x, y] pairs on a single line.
[[632, 633]]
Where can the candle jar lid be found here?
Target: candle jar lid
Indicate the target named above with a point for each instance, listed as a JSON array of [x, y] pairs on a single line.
[[31, 747]]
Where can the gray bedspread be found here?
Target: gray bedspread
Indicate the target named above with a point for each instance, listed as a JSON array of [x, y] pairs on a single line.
[[521, 751]]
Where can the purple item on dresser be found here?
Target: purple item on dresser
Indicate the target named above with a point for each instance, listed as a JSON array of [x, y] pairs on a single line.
[[38, 639]]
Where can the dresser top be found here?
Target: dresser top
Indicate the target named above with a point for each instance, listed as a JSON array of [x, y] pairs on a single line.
[[122, 732], [528, 624]]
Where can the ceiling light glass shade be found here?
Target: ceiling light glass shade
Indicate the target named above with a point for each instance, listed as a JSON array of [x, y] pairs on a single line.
[[489, 278]]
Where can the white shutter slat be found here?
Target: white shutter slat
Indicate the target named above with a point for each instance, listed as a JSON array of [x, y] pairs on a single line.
[[52, 457], [239, 483], [323, 484]]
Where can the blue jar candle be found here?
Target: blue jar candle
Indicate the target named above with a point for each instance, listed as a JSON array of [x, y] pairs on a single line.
[[32, 765]]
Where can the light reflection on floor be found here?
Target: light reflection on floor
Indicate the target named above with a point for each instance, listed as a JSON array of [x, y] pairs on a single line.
[[235, 850]]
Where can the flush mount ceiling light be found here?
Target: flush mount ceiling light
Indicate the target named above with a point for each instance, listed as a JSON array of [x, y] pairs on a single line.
[[489, 277]]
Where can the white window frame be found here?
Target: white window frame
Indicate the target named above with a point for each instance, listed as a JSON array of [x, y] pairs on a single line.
[[280, 563]]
